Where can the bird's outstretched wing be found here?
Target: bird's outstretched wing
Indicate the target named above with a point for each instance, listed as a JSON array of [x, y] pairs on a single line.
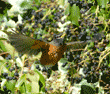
[[81, 44], [76, 45], [25, 44]]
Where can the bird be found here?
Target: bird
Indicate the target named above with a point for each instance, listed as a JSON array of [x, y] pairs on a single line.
[[52, 51]]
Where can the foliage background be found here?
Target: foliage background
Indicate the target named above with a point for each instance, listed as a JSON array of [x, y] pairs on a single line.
[[80, 22]]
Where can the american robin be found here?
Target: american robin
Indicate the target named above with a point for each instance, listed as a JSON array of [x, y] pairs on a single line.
[[52, 52]]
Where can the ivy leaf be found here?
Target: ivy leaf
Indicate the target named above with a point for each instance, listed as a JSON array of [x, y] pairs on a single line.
[[74, 14]]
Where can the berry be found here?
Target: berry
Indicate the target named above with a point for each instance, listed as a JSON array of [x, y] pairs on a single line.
[[16, 74], [64, 64], [5, 74]]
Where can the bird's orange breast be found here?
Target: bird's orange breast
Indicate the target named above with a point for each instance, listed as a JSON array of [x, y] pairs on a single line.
[[52, 55]]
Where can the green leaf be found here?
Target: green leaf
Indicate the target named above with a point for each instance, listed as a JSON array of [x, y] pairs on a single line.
[[33, 80], [108, 45], [3, 39], [67, 11], [28, 86], [25, 4], [61, 2], [87, 89], [11, 85], [35, 87], [2, 46], [6, 47], [102, 3], [74, 14], [1, 18], [20, 81], [42, 79], [33, 77], [3, 66], [23, 88]]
